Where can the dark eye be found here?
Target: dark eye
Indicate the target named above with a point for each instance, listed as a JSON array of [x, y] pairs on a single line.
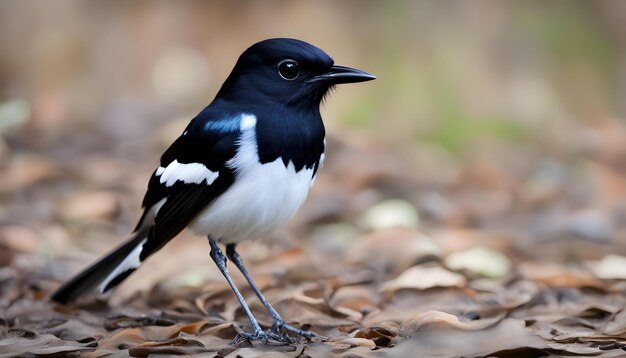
[[288, 69]]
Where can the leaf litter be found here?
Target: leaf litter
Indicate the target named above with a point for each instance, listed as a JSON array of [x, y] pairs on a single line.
[[538, 310], [370, 264]]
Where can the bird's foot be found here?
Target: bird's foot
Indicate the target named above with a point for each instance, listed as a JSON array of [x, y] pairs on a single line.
[[283, 329], [259, 335], [279, 332]]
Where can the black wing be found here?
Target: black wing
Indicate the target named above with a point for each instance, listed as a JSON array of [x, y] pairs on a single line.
[[206, 146], [199, 144]]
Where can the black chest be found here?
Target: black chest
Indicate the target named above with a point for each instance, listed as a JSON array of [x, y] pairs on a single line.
[[295, 136]]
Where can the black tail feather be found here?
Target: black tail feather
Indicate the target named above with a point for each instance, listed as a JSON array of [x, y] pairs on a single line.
[[94, 275]]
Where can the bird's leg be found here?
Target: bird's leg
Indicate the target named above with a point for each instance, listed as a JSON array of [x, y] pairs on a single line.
[[220, 261], [278, 321]]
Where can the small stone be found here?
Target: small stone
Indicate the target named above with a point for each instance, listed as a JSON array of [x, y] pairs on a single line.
[[481, 260], [390, 213]]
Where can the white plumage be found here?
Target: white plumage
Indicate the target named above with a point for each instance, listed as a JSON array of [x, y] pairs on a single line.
[[185, 172], [132, 261]]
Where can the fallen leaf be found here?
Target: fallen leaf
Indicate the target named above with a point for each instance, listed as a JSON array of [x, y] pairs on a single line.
[[393, 249], [90, 206], [174, 346], [354, 342], [575, 349], [558, 276], [18, 238], [16, 342], [380, 336], [432, 332], [25, 171], [361, 298], [481, 260], [421, 278]]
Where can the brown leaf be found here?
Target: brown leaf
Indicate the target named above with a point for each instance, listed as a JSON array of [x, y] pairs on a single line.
[[26, 171], [18, 238], [354, 342], [17, 342], [225, 331], [100, 205], [306, 313], [395, 249], [174, 346], [575, 349], [358, 299], [431, 332], [124, 321], [381, 336], [193, 328], [558, 276], [423, 277]]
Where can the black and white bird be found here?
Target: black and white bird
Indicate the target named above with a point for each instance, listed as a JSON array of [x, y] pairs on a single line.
[[240, 170]]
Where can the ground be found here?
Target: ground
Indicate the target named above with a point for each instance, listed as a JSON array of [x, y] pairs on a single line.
[[454, 272]]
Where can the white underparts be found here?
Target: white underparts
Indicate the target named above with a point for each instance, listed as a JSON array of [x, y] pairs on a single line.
[[186, 172], [132, 261]]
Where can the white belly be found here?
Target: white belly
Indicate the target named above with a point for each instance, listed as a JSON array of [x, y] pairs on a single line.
[[263, 198]]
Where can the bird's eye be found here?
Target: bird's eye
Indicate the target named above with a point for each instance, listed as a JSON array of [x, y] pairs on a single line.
[[288, 69]]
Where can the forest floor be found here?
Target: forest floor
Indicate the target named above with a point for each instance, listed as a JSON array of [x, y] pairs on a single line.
[[383, 260]]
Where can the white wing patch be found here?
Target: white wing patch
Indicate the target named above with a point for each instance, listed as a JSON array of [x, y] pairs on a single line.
[[186, 172], [132, 261]]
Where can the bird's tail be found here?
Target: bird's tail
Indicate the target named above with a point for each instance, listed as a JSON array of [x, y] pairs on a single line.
[[109, 271]]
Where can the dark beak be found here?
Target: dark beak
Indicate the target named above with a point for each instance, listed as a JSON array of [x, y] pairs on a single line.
[[343, 74]]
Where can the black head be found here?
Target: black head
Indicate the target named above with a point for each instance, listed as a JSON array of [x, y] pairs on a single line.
[[290, 71]]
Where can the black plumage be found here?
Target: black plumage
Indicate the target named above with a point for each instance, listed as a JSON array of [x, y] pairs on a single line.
[[248, 158]]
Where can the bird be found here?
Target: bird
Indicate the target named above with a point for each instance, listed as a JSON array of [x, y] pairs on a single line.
[[240, 169]]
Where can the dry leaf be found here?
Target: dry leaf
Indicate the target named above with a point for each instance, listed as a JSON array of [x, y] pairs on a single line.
[[361, 298], [354, 342], [381, 336], [91, 206], [558, 276], [15, 342], [481, 260], [421, 278], [432, 331], [394, 248]]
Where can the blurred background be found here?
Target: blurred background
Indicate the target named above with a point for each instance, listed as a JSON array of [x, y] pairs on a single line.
[[492, 124]]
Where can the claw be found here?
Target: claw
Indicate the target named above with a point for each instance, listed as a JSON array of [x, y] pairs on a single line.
[[279, 332], [280, 325], [265, 337], [249, 337]]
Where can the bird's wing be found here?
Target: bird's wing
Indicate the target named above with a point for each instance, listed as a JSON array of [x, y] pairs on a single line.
[[192, 173]]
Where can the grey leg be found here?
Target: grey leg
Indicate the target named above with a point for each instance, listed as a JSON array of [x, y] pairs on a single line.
[[278, 321], [220, 261]]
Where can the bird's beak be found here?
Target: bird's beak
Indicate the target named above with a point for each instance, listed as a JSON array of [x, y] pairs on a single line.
[[343, 74]]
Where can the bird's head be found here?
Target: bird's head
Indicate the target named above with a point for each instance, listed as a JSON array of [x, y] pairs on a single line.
[[290, 71]]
